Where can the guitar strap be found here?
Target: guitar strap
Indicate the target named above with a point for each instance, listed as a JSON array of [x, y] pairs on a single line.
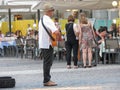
[[47, 30]]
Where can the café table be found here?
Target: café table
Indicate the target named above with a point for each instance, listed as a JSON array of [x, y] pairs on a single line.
[[111, 49], [7, 45]]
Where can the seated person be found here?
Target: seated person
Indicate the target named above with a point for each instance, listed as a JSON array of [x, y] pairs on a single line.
[[31, 35], [10, 34], [102, 34], [18, 34], [36, 34]]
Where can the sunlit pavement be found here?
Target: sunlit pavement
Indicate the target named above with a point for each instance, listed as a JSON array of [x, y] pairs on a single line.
[[29, 75]]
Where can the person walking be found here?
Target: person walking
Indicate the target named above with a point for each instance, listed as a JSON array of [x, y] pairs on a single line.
[[45, 42], [71, 42]]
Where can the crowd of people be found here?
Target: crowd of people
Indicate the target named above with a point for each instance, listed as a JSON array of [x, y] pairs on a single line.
[[79, 40]]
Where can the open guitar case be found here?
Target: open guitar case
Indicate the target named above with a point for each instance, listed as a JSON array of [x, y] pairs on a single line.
[[7, 82]]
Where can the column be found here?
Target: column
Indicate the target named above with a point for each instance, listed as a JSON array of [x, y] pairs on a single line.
[[38, 12], [9, 13]]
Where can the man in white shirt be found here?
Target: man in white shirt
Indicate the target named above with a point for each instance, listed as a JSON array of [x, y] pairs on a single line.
[[45, 42]]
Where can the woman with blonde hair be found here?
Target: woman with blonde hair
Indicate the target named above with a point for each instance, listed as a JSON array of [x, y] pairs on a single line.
[[86, 37]]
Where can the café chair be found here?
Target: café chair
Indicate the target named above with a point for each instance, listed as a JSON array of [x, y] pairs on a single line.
[[19, 47], [30, 48], [111, 46]]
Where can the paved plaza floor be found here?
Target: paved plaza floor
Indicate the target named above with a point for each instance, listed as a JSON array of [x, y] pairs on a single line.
[[28, 74]]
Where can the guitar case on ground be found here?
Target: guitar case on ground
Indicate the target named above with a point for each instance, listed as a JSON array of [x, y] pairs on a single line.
[[7, 82]]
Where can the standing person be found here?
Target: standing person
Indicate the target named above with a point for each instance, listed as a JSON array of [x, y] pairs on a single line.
[[86, 37], [118, 30], [45, 42], [28, 30], [71, 42], [1, 34], [56, 21], [57, 24], [113, 30]]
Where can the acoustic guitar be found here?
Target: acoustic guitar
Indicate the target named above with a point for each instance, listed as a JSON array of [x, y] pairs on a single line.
[[57, 39], [54, 43]]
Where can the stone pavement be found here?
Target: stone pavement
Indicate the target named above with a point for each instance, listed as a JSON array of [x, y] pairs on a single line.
[[29, 75]]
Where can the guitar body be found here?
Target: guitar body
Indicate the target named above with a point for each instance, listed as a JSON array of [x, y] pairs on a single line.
[[54, 43]]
